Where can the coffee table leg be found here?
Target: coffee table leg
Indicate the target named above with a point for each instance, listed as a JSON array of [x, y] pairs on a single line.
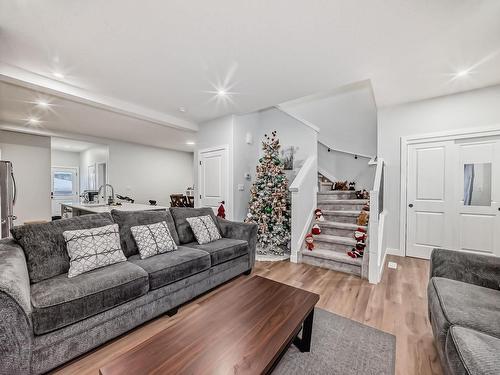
[[304, 343]]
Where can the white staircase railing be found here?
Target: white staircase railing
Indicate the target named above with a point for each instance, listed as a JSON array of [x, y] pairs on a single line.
[[304, 190], [376, 225]]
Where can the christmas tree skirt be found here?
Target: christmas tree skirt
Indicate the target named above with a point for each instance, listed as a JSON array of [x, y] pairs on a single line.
[[270, 257]]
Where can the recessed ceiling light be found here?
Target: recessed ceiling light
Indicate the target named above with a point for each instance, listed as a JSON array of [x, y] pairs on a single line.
[[58, 75], [42, 103], [463, 73], [190, 143], [182, 109], [221, 92], [33, 121]]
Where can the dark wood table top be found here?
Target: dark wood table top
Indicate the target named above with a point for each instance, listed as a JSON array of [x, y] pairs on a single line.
[[242, 329]]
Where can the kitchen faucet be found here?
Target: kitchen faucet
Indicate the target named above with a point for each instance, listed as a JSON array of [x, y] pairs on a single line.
[[111, 199]]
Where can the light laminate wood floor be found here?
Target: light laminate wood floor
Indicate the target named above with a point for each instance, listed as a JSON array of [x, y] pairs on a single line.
[[397, 305]]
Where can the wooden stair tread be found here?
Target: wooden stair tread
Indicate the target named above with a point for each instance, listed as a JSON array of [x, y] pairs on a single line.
[[332, 256], [344, 201], [336, 192]]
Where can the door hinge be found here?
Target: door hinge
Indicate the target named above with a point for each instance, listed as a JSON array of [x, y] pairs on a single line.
[[200, 196], [200, 162]]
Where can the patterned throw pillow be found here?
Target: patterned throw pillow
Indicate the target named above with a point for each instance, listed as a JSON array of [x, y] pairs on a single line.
[[93, 248], [153, 239], [204, 229]]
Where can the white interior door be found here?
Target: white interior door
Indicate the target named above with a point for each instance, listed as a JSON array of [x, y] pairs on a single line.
[[429, 195], [64, 187], [453, 197], [478, 196], [213, 178]]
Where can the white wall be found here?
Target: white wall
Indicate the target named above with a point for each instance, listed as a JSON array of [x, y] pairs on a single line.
[[30, 156], [473, 109], [145, 173], [343, 166], [61, 158], [347, 118]]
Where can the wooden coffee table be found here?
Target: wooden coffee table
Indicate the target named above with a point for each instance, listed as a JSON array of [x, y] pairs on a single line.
[[243, 329]]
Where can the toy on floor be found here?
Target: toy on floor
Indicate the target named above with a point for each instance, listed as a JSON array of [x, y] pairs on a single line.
[[352, 185], [360, 234], [316, 229], [340, 185], [319, 215], [309, 241], [363, 218]]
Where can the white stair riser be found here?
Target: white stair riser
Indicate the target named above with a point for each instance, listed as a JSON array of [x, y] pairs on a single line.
[[336, 206], [336, 195], [332, 265], [339, 248], [340, 218], [349, 233]]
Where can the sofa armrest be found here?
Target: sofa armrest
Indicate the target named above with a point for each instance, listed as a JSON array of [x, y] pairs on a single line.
[[241, 231], [16, 333], [482, 270]]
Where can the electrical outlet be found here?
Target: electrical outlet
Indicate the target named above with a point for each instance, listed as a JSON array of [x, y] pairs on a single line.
[[392, 265]]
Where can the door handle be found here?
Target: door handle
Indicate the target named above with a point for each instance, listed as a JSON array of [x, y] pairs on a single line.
[[410, 205]]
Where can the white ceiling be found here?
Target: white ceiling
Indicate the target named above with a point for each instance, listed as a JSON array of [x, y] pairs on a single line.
[[155, 56], [70, 145]]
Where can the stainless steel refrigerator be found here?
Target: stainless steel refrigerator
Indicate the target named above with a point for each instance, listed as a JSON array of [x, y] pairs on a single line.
[[7, 198]]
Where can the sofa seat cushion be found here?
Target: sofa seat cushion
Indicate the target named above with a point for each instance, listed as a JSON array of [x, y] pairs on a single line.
[[61, 301], [456, 303], [223, 250], [167, 268], [472, 352]]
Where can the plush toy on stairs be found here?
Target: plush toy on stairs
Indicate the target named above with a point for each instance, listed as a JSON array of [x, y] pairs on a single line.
[[363, 218], [316, 229], [319, 214], [309, 241], [340, 185], [360, 234]]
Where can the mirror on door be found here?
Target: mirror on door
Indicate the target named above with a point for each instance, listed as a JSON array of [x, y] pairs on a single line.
[[477, 184]]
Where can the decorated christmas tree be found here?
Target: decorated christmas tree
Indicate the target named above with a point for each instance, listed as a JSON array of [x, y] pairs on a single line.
[[269, 201]]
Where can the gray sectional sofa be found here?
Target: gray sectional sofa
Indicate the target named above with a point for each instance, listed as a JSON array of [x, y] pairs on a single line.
[[48, 319], [464, 310]]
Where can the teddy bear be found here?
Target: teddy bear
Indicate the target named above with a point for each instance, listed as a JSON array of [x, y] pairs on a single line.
[[309, 241], [363, 218]]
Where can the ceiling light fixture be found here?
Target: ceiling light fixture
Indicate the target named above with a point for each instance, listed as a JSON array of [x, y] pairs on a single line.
[[42, 103], [182, 109], [221, 92], [33, 121], [190, 143], [58, 75]]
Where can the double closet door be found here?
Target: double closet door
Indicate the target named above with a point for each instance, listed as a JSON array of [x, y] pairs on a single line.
[[453, 196]]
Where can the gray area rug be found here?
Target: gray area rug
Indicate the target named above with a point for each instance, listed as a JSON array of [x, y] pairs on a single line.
[[341, 346]]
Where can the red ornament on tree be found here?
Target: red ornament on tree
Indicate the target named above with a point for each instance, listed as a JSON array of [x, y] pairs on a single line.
[[221, 212]]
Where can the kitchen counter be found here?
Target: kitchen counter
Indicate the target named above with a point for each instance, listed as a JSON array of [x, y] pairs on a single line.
[[93, 208]]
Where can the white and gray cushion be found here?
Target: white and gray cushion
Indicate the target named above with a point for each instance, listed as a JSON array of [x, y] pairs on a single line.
[[153, 239], [204, 229], [93, 248]]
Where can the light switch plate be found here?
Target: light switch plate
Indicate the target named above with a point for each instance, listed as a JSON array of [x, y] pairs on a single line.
[[392, 265]]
